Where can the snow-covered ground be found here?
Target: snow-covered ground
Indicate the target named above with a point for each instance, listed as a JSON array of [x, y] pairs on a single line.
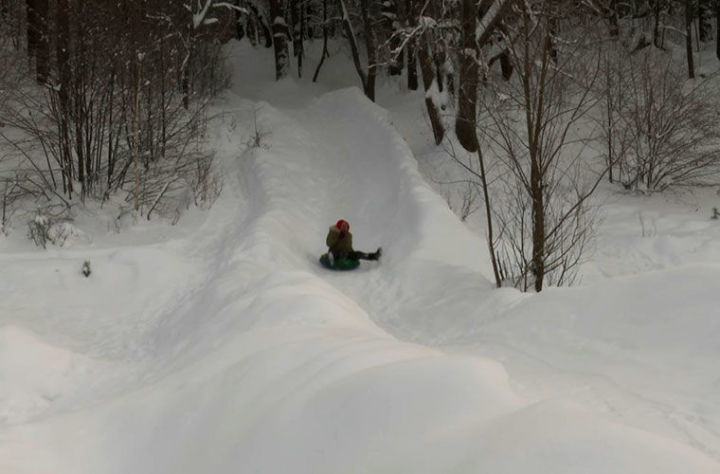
[[219, 345]]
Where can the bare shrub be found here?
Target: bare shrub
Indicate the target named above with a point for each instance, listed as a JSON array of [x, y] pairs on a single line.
[[12, 192], [45, 229], [663, 130], [124, 110], [570, 236], [258, 133], [468, 202], [462, 198], [39, 231]]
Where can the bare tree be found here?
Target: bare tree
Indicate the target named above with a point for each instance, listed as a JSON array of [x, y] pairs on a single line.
[[612, 86], [543, 206], [689, 17], [716, 9], [254, 18], [325, 53], [426, 36], [125, 106], [410, 47], [367, 72], [469, 77], [297, 20], [704, 14], [669, 126], [391, 18], [38, 37], [280, 35]]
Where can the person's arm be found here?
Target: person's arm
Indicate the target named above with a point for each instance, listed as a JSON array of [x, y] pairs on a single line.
[[331, 239]]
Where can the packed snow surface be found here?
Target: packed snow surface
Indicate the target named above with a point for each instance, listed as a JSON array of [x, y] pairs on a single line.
[[220, 345]]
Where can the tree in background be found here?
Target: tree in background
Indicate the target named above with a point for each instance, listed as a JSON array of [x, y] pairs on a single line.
[[38, 37], [541, 199], [690, 12], [124, 104], [252, 20], [280, 35], [366, 11], [465, 123], [663, 129]]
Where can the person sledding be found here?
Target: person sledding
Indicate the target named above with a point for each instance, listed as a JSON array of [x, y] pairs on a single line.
[[340, 248]]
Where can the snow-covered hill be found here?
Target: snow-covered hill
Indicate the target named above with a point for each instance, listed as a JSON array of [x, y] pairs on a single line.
[[222, 346]]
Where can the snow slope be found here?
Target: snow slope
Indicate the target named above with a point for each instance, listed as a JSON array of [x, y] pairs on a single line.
[[226, 348]]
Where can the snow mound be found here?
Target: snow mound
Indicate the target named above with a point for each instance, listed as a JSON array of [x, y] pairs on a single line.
[[559, 437], [34, 374], [241, 354]]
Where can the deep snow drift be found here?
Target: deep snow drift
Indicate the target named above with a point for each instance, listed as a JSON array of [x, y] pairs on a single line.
[[223, 347]]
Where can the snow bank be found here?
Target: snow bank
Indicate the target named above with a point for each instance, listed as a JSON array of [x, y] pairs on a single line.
[[34, 374], [310, 385]]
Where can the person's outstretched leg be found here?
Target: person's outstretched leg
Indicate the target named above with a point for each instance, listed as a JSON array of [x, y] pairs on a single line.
[[357, 255]]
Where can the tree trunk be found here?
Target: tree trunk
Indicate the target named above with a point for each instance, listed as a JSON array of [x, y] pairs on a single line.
[[689, 14], [430, 79], [239, 26], [534, 85], [391, 13], [656, 25], [489, 218], [371, 48], [717, 29], [79, 111], [465, 126], [32, 29], [610, 124], [39, 38], [42, 64], [412, 74], [325, 52], [136, 133], [252, 29], [296, 18], [302, 33], [260, 24], [410, 47], [347, 26], [185, 77], [550, 38], [506, 65], [280, 34], [494, 23], [538, 218], [613, 19], [704, 25], [62, 44]]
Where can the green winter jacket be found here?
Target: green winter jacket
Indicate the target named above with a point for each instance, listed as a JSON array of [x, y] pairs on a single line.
[[339, 243]]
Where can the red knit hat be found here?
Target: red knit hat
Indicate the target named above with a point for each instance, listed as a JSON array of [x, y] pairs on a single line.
[[340, 223]]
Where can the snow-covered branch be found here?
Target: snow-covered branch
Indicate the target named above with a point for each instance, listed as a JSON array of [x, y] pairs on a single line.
[[200, 15]]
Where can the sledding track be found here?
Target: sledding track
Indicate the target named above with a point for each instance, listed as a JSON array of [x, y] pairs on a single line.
[[357, 167]]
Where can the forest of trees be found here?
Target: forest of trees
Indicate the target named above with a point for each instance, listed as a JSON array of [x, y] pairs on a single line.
[[116, 92], [109, 98]]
